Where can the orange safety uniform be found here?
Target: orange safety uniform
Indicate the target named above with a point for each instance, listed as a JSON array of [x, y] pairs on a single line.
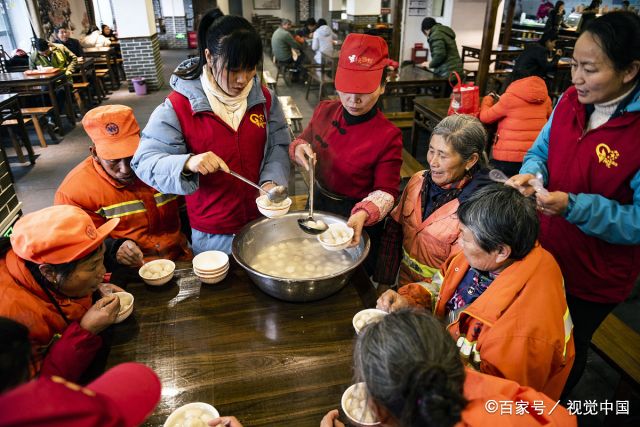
[[426, 245], [519, 328], [498, 402], [147, 217], [521, 113], [23, 300]]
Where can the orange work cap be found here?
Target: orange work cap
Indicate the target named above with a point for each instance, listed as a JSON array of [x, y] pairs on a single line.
[[58, 234], [114, 131]]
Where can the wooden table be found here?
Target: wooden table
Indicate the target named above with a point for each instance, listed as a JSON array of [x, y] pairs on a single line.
[[268, 362], [108, 55], [10, 109], [20, 82], [411, 81], [427, 114]]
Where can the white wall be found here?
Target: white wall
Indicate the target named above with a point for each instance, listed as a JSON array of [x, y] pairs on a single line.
[[135, 18], [172, 7], [224, 6], [465, 17], [363, 7], [287, 10]]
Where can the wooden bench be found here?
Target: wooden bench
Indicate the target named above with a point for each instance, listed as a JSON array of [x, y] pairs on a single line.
[[81, 92], [35, 114], [619, 346], [14, 140], [269, 81], [317, 74], [409, 165], [401, 119], [291, 113]]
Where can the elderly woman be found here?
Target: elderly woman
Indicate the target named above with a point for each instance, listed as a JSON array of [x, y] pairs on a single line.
[[590, 218], [48, 277], [503, 296], [422, 231], [415, 378]]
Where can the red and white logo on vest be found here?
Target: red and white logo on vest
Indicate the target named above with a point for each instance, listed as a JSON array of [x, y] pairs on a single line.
[[258, 120], [606, 155]]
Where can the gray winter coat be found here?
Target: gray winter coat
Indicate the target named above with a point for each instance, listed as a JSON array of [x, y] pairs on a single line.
[[162, 152]]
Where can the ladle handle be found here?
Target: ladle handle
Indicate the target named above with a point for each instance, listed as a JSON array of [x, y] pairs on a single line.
[[312, 182], [242, 178]]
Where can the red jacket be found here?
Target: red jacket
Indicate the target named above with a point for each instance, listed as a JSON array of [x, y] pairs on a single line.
[[519, 328], [603, 162], [23, 300], [483, 390], [521, 113], [223, 204], [354, 160], [147, 217]]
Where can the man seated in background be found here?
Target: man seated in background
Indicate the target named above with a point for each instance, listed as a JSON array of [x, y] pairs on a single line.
[[281, 44], [105, 186], [53, 55], [63, 37]]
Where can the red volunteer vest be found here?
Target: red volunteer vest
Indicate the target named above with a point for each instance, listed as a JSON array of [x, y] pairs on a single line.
[[602, 161], [224, 204]]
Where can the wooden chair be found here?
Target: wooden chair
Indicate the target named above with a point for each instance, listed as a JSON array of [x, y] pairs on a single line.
[[35, 114], [291, 113], [9, 124], [401, 119], [317, 73], [81, 92], [103, 76], [269, 81]]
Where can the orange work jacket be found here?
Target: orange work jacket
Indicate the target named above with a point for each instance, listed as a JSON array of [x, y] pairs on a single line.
[[23, 300], [427, 244], [147, 217], [483, 390]]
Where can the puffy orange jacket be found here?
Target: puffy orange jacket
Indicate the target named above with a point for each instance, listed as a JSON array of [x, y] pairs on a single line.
[[519, 328], [483, 390], [147, 217], [521, 113], [23, 300]]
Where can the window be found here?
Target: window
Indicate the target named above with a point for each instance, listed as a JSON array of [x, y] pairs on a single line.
[[15, 30]]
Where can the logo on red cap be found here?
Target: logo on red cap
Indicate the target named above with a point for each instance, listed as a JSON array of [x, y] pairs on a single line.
[[91, 232], [112, 129]]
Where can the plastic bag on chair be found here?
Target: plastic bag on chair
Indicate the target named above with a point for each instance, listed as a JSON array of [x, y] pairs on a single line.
[[465, 97]]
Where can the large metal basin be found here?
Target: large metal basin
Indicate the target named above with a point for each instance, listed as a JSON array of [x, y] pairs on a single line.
[[258, 234]]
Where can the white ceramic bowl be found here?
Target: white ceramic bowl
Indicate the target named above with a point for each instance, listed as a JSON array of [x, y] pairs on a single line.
[[347, 411], [166, 265], [335, 229], [126, 305], [271, 211], [210, 280], [210, 261], [196, 411], [220, 272], [366, 316]]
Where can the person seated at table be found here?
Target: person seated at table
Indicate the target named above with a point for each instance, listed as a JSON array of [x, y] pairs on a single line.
[[94, 38], [422, 231], [63, 37], [521, 113], [359, 151], [281, 44], [53, 55], [149, 226], [588, 14], [218, 117], [306, 32], [538, 59], [414, 377], [503, 296], [108, 33], [445, 57], [555, 18], [125, 395], [323, 40], [49, 275]]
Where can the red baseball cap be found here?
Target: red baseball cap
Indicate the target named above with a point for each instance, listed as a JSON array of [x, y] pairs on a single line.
[[124, 396], [362, 60], [114, 131], [58, 234]]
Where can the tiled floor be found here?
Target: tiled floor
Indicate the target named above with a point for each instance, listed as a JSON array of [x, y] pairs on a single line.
[[36, 186]]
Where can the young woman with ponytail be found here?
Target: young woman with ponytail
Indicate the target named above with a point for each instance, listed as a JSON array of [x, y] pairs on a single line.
[[415, 378], [218, 117]]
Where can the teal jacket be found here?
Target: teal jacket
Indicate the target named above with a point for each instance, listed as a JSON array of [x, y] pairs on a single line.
[[593, 214], [444, 51]]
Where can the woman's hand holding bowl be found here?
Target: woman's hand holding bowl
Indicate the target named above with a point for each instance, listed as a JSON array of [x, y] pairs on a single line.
[[101, 315]]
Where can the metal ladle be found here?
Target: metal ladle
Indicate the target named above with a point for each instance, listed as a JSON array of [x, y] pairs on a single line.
[[308, 225], [277, 194]]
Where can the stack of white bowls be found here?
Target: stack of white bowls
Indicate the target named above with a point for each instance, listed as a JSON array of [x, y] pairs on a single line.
[[211, 266]]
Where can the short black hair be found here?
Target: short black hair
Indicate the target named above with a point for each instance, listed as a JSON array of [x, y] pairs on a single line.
[[321, 22], [428, 23], [61, 27], [550, 35], [312, 21], [42, 45]]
